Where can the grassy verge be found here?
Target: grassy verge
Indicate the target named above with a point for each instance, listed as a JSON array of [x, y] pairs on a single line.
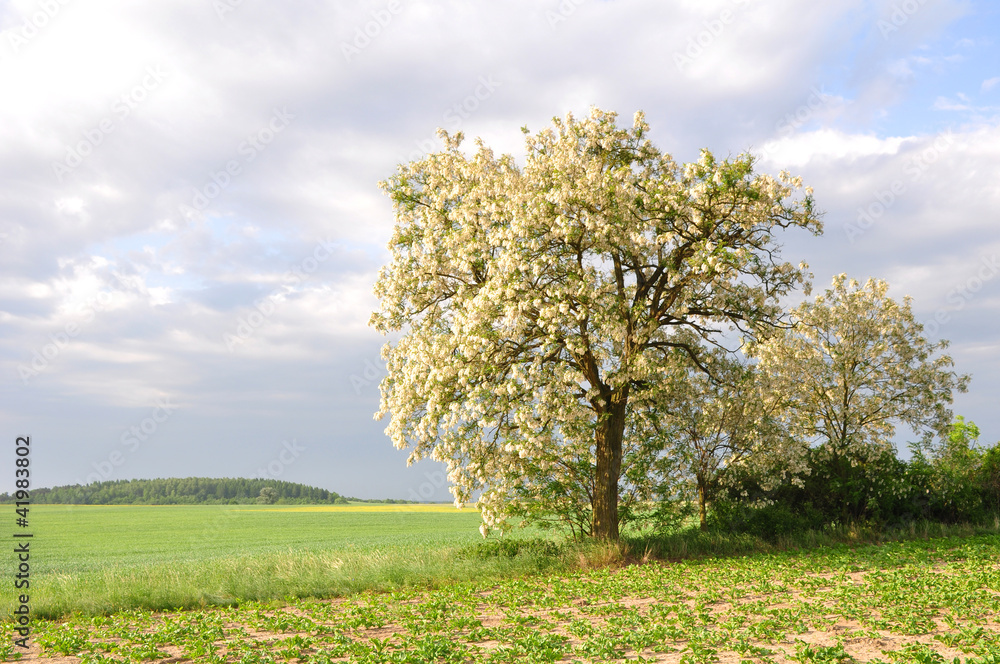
[[694, 543], [98, 560], [261, 577]]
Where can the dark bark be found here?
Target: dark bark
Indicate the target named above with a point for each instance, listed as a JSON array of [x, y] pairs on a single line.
[[702, 509], [610, 431]]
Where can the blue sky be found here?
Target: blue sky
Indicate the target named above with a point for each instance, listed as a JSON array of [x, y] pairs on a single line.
[[190, 225]]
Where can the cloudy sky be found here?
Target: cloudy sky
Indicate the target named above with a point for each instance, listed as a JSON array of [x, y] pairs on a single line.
[[190, 225]]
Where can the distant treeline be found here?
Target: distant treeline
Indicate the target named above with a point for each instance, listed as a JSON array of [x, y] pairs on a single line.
[[189, 491]]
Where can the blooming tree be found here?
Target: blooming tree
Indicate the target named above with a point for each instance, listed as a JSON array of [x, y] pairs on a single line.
[[537, 302], [708, 423], [855, 365]]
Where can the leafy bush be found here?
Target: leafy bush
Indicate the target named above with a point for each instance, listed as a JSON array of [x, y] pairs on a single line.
[[769, 522], [989, 478], [953, 483], [509, 548]]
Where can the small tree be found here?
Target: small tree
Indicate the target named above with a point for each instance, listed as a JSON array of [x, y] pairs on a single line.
[[855, 365], [958, 480], [268, 496], [990, 478], [710, 423], [959, 448], [539, 301]]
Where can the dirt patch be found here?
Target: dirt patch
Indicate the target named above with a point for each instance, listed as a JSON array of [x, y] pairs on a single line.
[[661, 621]]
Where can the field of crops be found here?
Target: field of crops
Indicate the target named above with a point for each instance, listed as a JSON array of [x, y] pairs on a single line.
[[76, 538], [931, 600], [98, 559]]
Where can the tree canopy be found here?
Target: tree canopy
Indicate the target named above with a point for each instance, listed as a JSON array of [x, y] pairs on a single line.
[[707, 423], [539, 304], [855, 365]]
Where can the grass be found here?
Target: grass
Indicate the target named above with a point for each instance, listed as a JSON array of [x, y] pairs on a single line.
[[99, 559], [694, 543], [257, 584], [933, 600], [74, 539]]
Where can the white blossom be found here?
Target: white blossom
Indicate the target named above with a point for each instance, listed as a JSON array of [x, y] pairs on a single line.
[[540, 303]]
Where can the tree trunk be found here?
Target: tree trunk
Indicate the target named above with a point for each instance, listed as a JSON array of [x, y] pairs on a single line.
[[608, 439], [702, 511]]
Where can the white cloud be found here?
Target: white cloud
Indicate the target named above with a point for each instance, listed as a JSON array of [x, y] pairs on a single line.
[[945, 104], [752, 81], [800, 149]]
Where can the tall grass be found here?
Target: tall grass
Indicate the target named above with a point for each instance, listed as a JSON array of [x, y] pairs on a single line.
[[277, 576], [695, 543], [245, 573]]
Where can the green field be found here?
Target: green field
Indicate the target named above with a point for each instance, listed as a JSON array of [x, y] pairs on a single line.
[[413, 584], [72, 539], [102, 558]]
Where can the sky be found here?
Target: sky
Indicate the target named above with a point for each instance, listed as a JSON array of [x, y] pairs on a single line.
[[190, 222]]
